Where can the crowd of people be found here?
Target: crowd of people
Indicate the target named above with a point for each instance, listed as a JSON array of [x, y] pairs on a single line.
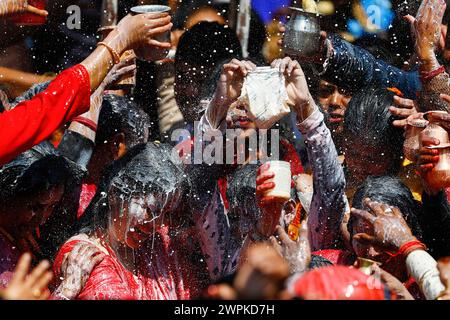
[[96, 204]]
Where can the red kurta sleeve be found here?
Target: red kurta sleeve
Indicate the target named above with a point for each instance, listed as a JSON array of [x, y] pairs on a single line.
[[108, 281], [33, 121]]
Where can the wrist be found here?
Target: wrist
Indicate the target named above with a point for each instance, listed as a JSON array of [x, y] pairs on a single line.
[[114, 41], [305, 108], [409, 245], [428, 63]]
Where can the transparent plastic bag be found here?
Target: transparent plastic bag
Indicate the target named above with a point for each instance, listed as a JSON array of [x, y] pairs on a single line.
[[265, 97]]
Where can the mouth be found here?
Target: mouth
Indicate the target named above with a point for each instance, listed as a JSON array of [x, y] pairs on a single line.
[[242, 121], [336, 117]]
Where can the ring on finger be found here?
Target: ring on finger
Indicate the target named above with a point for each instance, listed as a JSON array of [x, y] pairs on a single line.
[[36, 292]]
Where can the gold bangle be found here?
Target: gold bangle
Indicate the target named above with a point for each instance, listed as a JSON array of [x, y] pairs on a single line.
[[115, 55]]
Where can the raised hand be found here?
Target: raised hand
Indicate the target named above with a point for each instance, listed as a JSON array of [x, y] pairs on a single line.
[[141, 29], [389, 231], [28, 286], [296, 253], [404, 108], [427, 30], [231, 80], [76, 269], [121, 70], [296, 86]]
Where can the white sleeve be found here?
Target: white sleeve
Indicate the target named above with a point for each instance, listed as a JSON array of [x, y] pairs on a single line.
[[423, 268]]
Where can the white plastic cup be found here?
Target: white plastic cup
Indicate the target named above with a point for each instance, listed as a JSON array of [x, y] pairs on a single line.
[[282, 180]]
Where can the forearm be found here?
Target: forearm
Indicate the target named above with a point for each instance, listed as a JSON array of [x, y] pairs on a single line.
[[99, 62], [423, 268], [33, 121], [92, 114], [19, 81], [328, 203], [353, 68]]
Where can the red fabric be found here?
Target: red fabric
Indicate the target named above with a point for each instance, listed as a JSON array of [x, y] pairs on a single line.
[[33, 121], [292, 157], [86, 195], [223, 184], [338, 283], [164, 273], [337, 257]]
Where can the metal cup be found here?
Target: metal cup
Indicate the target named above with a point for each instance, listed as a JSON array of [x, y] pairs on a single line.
[[149, 53], [302, 36]]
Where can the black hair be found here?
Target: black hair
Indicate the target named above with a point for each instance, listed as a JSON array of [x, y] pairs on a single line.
[[368, 120], [144, 168], [121, 115], [39, 169], [205, 44], [208, 43], [391, 191], [318, 262]]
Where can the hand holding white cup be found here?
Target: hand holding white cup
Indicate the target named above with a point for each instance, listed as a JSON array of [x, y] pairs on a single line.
[[273, 183]]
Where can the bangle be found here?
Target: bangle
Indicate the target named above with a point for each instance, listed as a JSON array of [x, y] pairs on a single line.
[[87, 122], [411, 246], [425, 76], [115, 55]]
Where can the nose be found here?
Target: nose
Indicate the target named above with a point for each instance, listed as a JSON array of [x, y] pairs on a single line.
[[336, 100]]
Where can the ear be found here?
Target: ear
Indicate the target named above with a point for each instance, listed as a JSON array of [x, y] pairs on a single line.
[[119, 146]]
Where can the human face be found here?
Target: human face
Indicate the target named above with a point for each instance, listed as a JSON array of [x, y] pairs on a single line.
[[135, 220], [364, 161], [29, 213], [334, 102], [237, 117]]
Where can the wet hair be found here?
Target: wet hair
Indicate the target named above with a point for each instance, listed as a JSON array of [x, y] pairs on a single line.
[[146, 168], [367, 119], [318, 262], [39, 169], [121, 115], [391, 191], [208, 43], [30, 93], [244, 210], [205, 44]]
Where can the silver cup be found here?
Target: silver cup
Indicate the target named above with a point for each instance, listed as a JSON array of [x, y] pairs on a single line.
[[302, 36], [148, 53]]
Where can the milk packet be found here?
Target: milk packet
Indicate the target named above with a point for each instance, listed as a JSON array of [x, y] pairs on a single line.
[[265, 97]]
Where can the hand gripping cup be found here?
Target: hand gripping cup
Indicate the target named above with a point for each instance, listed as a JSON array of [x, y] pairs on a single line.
[[148, 53], [31, 19], [282, 180]]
